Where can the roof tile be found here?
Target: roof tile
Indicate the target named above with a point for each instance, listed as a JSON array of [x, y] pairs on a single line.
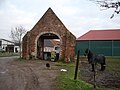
[[101, 35]]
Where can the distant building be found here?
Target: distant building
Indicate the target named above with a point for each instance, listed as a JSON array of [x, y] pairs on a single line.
[[8, 46], [105, 42], [50, 46]]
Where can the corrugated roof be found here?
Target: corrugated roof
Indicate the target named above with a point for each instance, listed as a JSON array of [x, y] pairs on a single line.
[[101, 35]]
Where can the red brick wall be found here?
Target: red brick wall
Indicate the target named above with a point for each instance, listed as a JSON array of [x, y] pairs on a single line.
[[50, 23]]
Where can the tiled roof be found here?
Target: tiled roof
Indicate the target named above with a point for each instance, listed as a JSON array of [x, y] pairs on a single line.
[[48, 43], [101, 35], [55, 42], [51, 42]]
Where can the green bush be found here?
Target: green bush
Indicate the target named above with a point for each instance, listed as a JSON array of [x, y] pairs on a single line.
[[3, 54]]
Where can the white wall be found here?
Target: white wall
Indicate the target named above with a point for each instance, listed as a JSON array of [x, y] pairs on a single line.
[[5, 43]]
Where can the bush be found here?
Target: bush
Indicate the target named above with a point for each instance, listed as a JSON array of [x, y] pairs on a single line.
[[6, 54]]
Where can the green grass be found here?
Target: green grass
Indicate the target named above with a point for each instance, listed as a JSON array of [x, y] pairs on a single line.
[[6, 54], [65, 80], [113, 64], [66, 83]]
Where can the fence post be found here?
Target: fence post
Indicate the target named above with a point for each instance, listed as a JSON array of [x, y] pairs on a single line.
[[77, 63], [94, 76]]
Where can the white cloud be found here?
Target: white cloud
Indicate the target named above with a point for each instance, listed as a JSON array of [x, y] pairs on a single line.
[[79, 16], [11, 17]]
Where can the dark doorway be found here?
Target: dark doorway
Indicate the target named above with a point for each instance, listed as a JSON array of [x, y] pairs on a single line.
[[10, 48]]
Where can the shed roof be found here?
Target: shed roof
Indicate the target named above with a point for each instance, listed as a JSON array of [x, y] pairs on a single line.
[[6, 40], [48, 43], [51, 42], [113, 34]]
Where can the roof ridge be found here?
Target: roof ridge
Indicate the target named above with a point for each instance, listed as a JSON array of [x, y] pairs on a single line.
[[113, 34], [7, 40], [104, 29]]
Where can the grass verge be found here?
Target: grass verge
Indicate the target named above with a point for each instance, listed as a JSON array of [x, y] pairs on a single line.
[[65, 80]]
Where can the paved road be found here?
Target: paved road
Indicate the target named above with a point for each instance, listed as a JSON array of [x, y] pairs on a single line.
[[9, 58]]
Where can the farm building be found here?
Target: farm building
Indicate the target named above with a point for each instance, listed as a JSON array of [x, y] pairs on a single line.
[[8, 46], [49, 47], [105, 42], [48, 27]]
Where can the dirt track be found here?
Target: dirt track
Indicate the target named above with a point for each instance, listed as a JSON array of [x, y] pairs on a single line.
[[33, 75]]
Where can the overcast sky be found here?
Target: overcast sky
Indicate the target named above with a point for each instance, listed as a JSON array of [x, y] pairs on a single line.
[[79, 16]]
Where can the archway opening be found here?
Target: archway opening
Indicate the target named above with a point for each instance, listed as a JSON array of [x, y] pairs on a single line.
[[48, 47]]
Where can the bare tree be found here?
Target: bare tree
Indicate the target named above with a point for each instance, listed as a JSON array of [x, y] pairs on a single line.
[[16, 35], [109, 4]]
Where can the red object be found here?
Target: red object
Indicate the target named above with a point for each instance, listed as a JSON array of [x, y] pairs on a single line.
[[101, 35]]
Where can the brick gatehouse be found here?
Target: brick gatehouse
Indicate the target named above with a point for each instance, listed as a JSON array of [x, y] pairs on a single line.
[[48, 27]]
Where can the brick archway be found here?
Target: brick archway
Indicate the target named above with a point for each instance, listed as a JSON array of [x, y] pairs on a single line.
[[56, 36], [49, 23]]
